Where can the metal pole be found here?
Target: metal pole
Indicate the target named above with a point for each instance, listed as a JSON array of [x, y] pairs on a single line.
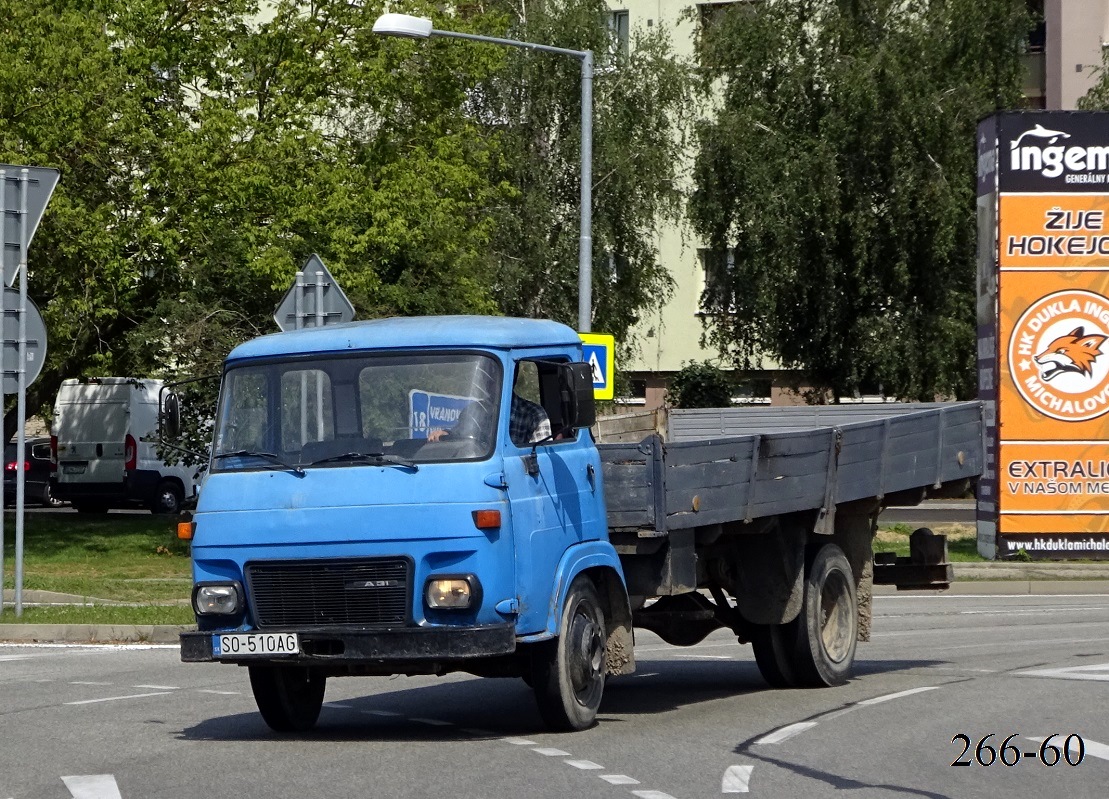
[[298, 308], [585, 243], [21, 401], [3, 342], [320, 319]]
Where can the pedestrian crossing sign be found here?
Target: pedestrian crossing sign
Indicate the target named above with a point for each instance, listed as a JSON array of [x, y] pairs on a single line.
[[597, 351]]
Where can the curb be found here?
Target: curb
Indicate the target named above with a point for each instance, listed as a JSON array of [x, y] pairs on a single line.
[[92, 633]]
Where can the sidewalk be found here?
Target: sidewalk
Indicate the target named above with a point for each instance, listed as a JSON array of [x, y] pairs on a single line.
[[971, 579]]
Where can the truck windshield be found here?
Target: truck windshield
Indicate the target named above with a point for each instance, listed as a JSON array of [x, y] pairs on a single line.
[[341, 412]]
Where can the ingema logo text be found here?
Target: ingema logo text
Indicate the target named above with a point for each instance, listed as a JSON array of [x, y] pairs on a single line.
[[1038, 150]]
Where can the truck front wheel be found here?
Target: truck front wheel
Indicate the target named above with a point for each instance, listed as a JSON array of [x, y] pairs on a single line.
[[289, 698], [568, 673], [828, 626]]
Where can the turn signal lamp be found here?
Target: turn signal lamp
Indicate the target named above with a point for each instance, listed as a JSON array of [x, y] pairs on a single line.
[[185, 530], [487, 519]]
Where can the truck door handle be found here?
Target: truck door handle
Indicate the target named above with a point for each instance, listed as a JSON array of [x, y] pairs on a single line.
[[591, 475]]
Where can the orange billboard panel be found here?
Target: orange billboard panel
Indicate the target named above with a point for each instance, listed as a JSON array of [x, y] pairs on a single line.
[[1053, 231]]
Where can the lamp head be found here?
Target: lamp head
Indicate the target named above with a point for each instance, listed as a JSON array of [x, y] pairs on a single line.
[[404, 25]]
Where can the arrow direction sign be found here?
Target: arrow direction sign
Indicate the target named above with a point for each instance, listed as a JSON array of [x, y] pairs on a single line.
[[597, 350], [19, 198], [313, 300]]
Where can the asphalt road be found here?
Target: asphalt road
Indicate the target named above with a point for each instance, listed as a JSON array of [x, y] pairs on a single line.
[[102, 722]]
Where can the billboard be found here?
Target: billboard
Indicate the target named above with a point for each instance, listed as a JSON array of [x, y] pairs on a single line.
[[1043, 328]]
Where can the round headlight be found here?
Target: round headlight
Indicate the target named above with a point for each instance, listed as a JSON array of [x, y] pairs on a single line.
[[449, 593], [217, 600]]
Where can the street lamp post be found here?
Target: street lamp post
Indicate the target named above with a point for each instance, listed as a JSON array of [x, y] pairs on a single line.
[[411, 27]]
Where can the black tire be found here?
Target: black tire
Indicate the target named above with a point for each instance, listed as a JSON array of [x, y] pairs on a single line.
[[48, 500], [167, 498], [773, 645], [568, 673], [828, 627], [288, 697]]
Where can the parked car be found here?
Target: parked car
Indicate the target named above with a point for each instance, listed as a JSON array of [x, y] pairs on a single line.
[[36, 468]]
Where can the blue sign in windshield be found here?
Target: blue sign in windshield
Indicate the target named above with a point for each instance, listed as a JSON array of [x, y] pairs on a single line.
[[428, 411]]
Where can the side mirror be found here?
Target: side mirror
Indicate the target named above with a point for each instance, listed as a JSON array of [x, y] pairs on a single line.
[[170, 418], [576, 387]]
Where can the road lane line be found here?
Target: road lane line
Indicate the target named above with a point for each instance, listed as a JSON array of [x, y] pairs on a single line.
[[618, 779], [786, 732], [550, 751], [159, 687], [737, 779], [82, 682], [114, 698], [219, 693], [518, 741], [652, 795], [92, 786], [434, 722], [387, 713], [887, 697], [584, 765], [1098, 672]]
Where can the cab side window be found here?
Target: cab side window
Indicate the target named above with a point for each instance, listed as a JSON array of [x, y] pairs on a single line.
[[536, 404]]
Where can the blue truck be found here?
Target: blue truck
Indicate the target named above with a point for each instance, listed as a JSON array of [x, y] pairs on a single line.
[[375, 506]]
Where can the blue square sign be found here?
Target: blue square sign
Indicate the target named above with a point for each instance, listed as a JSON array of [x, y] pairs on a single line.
[[597, 351]]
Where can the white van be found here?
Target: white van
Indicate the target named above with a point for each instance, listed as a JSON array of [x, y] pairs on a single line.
[[103, 445]]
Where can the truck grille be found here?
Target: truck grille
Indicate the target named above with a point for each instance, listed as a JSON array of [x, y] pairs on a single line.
[[362, 593]]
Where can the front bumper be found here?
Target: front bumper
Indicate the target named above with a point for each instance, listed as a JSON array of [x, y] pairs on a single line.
[[342, 646]]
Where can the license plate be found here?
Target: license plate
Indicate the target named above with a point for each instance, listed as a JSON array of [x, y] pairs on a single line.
[[73, 468], [233, 645]]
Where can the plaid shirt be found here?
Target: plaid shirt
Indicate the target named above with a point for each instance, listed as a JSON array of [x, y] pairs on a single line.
[[527, 422]]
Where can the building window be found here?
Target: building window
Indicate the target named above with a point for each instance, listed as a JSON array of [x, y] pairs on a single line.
[[717, 267], [619, 30]]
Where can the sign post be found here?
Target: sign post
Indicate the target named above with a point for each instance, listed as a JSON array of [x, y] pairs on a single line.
[[313, 300], [1043, 334], [24, 193]]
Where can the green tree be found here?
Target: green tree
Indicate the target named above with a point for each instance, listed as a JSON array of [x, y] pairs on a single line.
[[641, 95], [839, 168], [1097, 98], [699, 385]]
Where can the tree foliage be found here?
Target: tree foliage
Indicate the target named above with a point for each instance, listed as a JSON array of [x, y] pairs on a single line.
[[1097, 98], [207, 148], [839, 167], [699, 385]]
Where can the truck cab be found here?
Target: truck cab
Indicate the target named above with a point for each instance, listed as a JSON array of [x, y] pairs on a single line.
[[389, 497]]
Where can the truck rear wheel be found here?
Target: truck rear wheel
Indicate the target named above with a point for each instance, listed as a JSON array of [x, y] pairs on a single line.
[[568, 673], [288, 697], [773, 645], [828, 627]]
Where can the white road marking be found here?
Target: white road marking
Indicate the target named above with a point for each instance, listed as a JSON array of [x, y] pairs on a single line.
[[114, 698], [78, 682], [213, 691], [518, 741], [380, 713], [648, 674], [710, 657], [15, 657], [652, 795], [337, 705], [550, 751], [1098, 672], [618, 779], [92, 786], [1092, 748], [435, 722], [736, 779], [887, 697], [159, 687], [786, 732], [584, 765]]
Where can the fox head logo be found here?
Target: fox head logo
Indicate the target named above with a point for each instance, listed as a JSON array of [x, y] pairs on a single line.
[[1074, 352]]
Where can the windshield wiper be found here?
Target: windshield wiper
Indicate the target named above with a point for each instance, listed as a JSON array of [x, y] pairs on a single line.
[[372, 458], [250, 453]]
